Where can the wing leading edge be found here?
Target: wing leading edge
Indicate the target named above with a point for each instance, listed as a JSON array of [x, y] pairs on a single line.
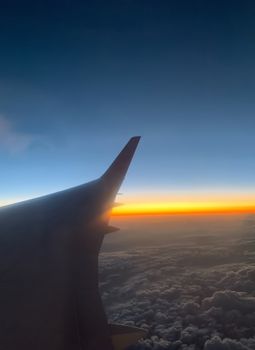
[[49, 297]]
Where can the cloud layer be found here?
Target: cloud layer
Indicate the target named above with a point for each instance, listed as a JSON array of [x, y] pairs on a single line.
[[188, 295]]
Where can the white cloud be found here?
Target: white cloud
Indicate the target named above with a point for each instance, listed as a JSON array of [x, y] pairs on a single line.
[[11, 140]]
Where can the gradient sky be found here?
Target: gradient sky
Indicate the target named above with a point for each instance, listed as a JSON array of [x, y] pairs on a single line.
[[78, 78]]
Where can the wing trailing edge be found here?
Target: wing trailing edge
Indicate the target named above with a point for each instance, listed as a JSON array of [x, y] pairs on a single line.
[[124, 336]]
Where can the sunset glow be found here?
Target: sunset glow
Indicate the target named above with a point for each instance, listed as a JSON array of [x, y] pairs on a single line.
[[186, 206], [176, 204]]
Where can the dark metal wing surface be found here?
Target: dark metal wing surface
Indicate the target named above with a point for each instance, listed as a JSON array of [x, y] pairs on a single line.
[[49, 297]]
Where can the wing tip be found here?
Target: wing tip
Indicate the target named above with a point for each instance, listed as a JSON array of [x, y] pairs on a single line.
[[115, 174], [131, 145], [135, 138]]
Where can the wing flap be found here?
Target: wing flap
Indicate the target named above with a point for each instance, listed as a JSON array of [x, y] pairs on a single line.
[[123, 336]]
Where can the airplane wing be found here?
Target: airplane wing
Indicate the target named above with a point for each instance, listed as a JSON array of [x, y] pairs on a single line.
[[124, 336], [49, 246]]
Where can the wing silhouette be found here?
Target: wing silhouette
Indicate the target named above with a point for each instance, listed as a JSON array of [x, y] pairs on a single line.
[[49, 246]]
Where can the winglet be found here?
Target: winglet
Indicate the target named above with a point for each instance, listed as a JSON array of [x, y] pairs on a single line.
[[115, 174]]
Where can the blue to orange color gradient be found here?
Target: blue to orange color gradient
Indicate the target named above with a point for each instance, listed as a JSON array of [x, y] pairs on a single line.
[[78, 79]]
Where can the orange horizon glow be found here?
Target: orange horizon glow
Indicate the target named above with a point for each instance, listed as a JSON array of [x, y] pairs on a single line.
[[229, 204], [177, 203]]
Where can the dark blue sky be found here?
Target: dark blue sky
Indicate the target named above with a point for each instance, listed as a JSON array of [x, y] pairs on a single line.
[[78, 78]]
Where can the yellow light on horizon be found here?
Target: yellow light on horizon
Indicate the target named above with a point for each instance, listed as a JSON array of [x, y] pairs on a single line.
[[205, 203], [184, 207]]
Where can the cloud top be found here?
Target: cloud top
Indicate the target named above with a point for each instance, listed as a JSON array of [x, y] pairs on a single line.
[[189, 294]]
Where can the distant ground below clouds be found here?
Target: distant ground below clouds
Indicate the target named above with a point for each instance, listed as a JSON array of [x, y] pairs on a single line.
[[190, 281]]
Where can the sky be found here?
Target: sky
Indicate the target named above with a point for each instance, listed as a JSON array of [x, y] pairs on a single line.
[[79, 78]]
